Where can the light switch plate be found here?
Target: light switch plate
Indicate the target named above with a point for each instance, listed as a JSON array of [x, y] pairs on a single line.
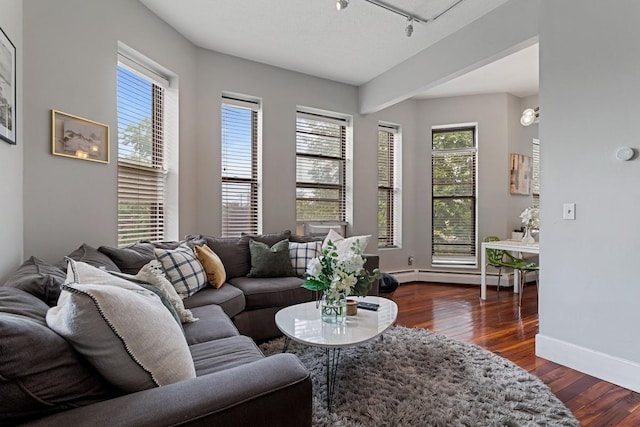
[[569, 211]]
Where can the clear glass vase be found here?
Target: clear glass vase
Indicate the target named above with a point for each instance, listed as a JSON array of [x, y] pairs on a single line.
[[528, 238], [334, 310]]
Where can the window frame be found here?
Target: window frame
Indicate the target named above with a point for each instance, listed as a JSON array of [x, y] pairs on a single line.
[[341, 159], [139, 183], [470, 260], [535, 181], [253, 105], [391, 188]]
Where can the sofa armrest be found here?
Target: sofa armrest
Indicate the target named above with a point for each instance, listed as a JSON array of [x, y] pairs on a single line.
[[276, 388], [373, 262]]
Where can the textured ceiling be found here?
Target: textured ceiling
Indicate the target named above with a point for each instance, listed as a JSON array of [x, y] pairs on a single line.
[[310, 36]]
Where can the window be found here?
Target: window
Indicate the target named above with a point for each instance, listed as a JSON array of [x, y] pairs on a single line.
[[141, 154], [454, 196], [536, 174], [320, 167], [388, 187], [239, 166]]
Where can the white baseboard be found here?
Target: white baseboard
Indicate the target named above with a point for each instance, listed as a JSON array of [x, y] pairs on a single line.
[[622, 372], [463, 278]]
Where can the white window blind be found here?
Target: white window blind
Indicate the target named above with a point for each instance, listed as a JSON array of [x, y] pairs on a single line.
[[388, 218], [239, 166], [141, 162], [320, 167], [453, 196], [536, 174]]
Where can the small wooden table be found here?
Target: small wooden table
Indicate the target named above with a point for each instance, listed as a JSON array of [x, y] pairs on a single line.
[[516, 246]]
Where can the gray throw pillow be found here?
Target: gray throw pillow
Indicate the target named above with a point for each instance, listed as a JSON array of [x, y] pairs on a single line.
[[132, 258], [270, 261], [38, 278], [91, 256], [41, 372]]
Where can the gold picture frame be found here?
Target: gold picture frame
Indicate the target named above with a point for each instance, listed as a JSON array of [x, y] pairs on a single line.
[[521, 172], [79, 138]]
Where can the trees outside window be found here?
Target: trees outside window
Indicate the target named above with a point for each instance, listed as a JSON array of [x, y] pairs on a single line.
[[454, 196], [141, 162], [320, 168]]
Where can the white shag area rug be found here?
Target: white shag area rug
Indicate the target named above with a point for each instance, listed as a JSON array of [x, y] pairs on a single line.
[[413, 377]]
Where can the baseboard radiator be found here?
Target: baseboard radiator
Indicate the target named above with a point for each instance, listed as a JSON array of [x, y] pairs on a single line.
[[457, 277]]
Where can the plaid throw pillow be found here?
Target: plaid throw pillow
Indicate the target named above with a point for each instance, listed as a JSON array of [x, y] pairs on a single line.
[[183, 269], [301, 253]]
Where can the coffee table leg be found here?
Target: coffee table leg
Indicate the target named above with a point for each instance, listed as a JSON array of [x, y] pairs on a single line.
[[287, 340], [332, 359]]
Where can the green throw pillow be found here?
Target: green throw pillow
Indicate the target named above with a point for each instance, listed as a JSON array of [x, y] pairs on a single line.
[[270, 261]]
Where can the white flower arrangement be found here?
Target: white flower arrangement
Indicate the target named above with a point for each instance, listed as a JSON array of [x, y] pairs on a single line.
[[339, 274], [531, 217]]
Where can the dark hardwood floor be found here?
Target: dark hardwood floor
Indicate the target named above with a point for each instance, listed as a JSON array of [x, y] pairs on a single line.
[[499, 325]]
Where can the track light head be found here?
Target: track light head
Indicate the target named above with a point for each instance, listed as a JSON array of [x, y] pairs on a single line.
[[409, 28], [342, 4], [529, 116]]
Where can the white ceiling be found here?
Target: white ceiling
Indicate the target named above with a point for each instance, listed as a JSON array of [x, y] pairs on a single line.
[[351, 46]]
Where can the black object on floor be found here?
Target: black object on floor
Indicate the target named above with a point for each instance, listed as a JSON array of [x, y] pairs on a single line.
[[388, 284]]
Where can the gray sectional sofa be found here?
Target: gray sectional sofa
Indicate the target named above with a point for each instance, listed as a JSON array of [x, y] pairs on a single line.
[[44, 381]]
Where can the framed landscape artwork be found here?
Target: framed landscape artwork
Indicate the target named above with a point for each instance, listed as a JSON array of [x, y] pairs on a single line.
[[7, 89], [79, 138], [521, 171]]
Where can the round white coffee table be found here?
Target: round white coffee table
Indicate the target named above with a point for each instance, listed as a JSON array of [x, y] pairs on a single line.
[[302, 323]]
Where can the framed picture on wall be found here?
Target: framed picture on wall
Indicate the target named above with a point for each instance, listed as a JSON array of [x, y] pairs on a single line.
[[79, 138], [521, 172], [7, 89]]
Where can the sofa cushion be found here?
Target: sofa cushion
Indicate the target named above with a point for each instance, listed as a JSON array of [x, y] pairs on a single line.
[[213, 324], [183, 269], [91, 256], [225, 353], [269, 261], [124, 331], [301, 253], [39, 279], [233, 251], [271, 291], [40, 372], [230, 298], [132, 258], [305, 239], [269, 238], [212, 265]]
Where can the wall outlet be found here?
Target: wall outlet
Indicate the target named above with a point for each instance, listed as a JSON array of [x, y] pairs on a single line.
[[410, 260], [569, 211]]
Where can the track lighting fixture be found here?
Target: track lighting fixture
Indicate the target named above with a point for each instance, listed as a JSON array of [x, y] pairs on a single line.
[[409, 28], [342, 4], [529, 116], [411, 18]]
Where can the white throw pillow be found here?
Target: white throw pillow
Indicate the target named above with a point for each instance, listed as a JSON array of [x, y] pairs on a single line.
[[123, 330], [343, 245], [301, 253], [153, 274]]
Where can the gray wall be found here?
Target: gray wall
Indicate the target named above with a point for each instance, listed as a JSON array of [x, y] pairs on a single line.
[[70, 57], [11, 187], [589, 105], [72, 201]]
